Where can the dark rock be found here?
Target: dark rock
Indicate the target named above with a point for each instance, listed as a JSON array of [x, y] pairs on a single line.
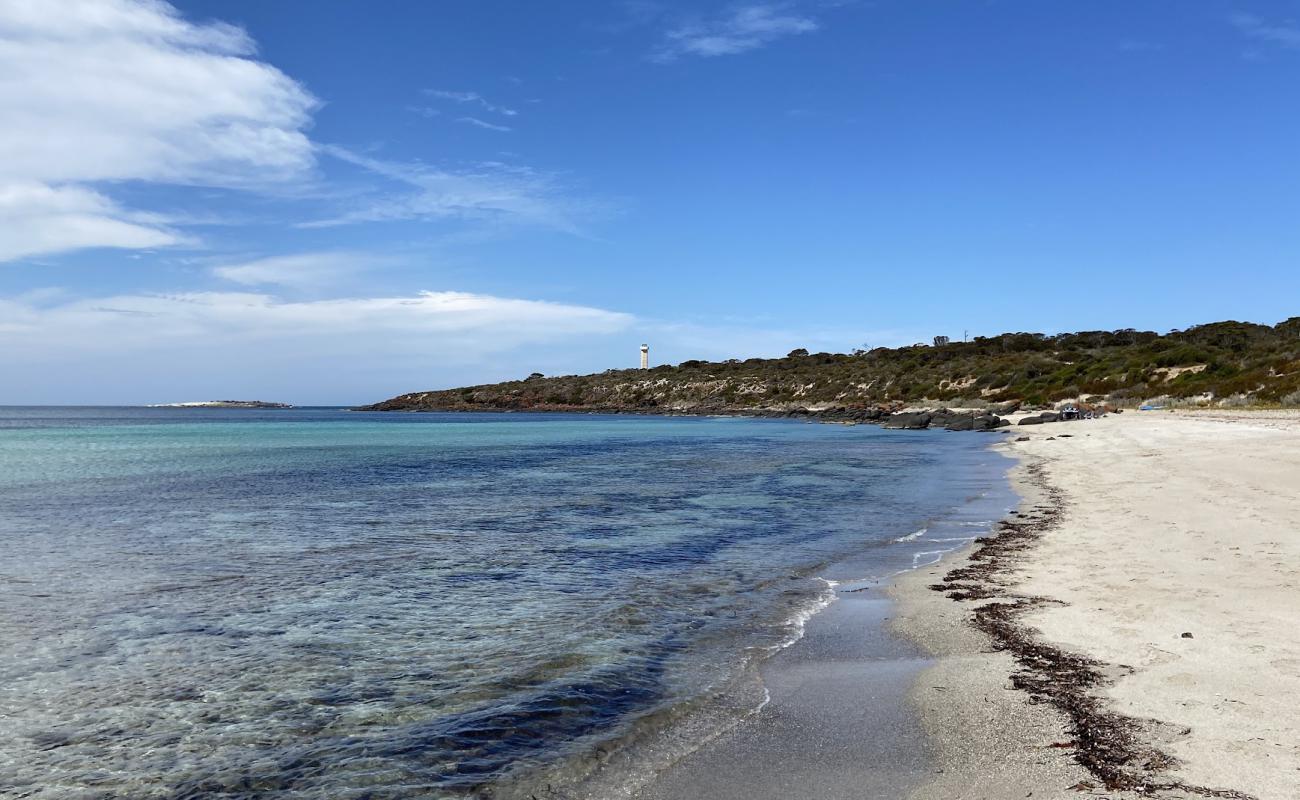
[[1003, 423], [1032, 421], [1188, 635], [1022, 438], [911, 422], [1050, 416], [962, 424]]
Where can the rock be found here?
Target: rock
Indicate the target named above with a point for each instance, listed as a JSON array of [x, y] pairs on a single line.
[[1032, 421], [1003, 423], [1187, 635], [962, 424], [1050, 416], [1022, 438], [911, 422]]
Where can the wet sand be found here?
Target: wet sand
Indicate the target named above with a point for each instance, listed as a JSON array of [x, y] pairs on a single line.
[[1170, 572], [837, 726]]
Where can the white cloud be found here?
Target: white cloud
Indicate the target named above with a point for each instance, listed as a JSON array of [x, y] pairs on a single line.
[[145, 347], [470, 97], [37, 219], [1257, 28], [743, 28], [493, 192], [303, 270], [483, 124], [127, 90]]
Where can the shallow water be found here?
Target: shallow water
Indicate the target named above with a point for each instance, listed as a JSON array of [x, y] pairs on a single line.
[[329, 604]]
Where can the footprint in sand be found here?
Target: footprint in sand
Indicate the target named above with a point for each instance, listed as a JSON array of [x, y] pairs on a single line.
[[1153, 656], [1289, 666]]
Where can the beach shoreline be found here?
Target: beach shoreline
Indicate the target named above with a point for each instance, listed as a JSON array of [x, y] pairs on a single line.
[[1130, 631], [835, 721]]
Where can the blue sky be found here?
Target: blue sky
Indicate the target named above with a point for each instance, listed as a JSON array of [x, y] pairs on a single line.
[[333, 202]]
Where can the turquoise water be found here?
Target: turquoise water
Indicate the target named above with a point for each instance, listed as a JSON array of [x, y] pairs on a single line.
[[331, 604]]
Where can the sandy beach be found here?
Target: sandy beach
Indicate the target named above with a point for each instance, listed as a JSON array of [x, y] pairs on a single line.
[[1140, 615]]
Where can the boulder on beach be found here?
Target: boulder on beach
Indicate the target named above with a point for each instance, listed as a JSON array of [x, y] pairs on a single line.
[[911, 422], [1031, 421]]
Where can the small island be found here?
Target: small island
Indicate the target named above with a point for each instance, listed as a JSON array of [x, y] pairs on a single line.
[[222, 404]]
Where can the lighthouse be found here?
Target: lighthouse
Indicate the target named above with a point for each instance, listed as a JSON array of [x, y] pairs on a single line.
[[645, 356]]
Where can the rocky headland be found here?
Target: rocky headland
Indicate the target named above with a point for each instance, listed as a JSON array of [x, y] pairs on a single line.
[[958, 385]]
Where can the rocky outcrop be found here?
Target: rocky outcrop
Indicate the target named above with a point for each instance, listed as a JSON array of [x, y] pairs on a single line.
[[946, 419], [910, 422], [1046, 416]]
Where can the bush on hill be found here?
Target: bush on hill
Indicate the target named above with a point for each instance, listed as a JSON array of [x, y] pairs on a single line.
[[1222, 361]]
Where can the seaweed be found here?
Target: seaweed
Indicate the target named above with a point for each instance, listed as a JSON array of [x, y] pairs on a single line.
[[1110, 745]]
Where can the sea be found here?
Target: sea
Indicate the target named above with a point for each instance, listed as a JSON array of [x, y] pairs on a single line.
[[324, 603]]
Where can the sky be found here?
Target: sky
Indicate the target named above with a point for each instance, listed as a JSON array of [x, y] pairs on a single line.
[[334, 202]]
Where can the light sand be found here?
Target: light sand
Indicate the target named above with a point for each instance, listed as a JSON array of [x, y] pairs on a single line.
[[1173, 523]]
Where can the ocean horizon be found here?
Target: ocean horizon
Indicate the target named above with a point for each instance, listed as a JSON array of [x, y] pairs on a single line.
[[324, 603]]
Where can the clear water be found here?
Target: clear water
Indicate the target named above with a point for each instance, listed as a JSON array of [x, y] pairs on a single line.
[[331, 604]]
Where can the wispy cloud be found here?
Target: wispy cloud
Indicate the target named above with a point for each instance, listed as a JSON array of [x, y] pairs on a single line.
[[428, 112], [158, 347], [742, 28], [491, 192], [470, 97], [127, 90], [38, 219], [1286, 34], [301, 270], [475, 121]]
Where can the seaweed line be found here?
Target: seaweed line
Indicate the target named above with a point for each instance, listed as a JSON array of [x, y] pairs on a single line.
[[1109, 745]]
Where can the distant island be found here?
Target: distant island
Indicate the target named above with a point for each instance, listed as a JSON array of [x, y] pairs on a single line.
[[1220, 364], [222, 404]]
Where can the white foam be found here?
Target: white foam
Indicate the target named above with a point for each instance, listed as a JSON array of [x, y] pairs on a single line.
[[911, 536], [797, 623], [938, 555]]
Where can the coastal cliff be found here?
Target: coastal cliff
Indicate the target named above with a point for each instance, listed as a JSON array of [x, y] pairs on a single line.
[[1218, 363]]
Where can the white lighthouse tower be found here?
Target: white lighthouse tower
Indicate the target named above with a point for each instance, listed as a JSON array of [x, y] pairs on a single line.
[[645, 356]]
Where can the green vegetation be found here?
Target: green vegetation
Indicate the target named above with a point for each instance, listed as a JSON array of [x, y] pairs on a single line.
[[1224, 362]]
